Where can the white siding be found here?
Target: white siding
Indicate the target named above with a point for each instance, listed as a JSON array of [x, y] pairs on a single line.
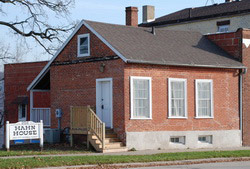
[[210, 26]]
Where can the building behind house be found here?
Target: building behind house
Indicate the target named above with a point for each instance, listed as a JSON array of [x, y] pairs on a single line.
[[17, 100], [224, 17]]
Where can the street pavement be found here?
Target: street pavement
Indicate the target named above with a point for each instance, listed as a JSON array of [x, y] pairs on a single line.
[[226, 165]]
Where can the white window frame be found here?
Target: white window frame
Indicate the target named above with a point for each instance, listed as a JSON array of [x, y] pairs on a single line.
[[208, 139], [182, 140], [169, 98], [78, 45], [132, 97], [196, 99], [20, 109], [223, 27]]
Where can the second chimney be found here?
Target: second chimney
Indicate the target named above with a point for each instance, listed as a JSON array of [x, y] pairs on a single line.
[[148, 13], [132, 16]]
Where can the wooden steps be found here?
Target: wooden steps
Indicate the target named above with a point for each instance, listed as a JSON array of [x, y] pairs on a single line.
[[112, 143]]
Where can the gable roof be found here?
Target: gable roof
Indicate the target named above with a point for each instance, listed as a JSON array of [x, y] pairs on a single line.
[[200, 13], [179, 48], [139, 45]]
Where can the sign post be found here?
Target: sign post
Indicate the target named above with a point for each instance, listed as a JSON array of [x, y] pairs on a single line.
[[26, 130], [7, 140]]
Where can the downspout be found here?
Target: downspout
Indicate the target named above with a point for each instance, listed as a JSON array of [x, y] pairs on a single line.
[[243, 71]]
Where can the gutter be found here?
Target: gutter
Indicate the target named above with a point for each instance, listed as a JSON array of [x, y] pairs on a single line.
[[186, 65], [243, 71]]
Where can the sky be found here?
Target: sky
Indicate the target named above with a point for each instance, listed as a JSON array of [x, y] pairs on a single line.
[[109, 11]]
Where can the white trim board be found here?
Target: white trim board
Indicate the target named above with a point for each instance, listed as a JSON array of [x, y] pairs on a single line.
[[46, 68]]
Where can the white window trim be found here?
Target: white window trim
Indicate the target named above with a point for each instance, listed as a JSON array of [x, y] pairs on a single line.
[[132, 97], [210, 141], [20, 108], [196, 99], [169, 98], [180, 138], [78, 45], [223, 27]]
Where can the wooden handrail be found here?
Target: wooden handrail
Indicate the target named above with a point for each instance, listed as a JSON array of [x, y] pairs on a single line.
[[96, 126]]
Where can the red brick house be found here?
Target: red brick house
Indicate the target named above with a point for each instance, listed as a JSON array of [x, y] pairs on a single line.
[[155, 88], [17, 106]]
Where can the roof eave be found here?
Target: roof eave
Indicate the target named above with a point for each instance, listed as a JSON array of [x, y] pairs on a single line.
[[187, 65], [186, 20]]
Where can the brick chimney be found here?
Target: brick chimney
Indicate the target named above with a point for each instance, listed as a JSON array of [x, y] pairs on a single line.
[[132, 16]]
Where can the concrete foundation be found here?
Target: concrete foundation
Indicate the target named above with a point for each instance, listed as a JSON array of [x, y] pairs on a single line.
[[161, 139]]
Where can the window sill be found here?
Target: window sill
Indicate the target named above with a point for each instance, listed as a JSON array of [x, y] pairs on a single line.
[[204, 117], [140, 118], [80, 56], [205, 143], [177, 117]]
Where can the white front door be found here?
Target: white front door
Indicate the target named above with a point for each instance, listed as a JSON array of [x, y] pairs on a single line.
[[104, 101]]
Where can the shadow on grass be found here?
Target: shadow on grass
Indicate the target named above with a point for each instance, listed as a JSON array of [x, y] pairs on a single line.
[[34, 149]]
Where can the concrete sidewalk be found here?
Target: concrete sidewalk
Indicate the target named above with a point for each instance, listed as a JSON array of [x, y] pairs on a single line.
[[144, 152], [153, 164]]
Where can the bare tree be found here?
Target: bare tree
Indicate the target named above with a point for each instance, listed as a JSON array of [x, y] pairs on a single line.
[[34, 20]]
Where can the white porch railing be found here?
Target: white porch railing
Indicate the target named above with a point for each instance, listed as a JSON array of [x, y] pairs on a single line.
[[38, 114]]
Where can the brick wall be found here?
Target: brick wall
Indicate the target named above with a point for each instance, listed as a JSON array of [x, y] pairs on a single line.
[[233, 43], [226, 112], [75, 84], [230, 42], [17, 78]]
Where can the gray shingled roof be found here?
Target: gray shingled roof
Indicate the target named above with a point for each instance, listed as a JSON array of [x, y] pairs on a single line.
[[199, 13], [139, 45]]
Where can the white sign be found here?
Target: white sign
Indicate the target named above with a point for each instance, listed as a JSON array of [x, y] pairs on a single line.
[[24, 131]]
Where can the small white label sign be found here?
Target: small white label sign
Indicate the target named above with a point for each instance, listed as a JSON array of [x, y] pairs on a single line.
[[24, 130]]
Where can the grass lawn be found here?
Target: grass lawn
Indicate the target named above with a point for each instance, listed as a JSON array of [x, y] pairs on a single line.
[[34, 149], [107, 159]]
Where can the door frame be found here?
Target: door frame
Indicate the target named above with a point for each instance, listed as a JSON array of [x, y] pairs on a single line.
[[98, 95]]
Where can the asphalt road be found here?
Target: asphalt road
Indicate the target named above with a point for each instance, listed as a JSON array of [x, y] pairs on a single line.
[[228, 165]]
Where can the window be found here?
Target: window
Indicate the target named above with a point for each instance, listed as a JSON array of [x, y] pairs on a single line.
[[223, 28], [205, 139], [22, 112], [83, 45], [141, 98], [204, 98], [177, 98], [179, 139]]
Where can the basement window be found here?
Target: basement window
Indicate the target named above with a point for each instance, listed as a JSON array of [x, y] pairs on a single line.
[[205, 139], [178, 139], [83, 45]]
